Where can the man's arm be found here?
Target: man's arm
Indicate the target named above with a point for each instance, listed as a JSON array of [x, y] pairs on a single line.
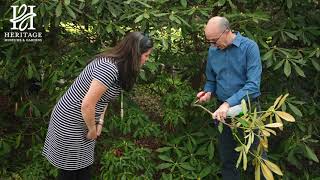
[[210, 85]]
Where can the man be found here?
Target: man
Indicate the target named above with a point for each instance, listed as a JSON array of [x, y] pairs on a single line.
[[233, 71]]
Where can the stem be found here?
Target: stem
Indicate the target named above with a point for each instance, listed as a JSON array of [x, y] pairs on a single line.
[[211, 114], [202, 108]]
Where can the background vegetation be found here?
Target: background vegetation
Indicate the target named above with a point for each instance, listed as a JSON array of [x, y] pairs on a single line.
[[162, 136]]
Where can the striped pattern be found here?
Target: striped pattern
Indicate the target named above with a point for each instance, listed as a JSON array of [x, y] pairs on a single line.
[[66, 146]]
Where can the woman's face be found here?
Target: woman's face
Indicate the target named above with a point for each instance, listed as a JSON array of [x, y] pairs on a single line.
[[145, 56]]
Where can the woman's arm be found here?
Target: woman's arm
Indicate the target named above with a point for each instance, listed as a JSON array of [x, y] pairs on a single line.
[[88, 105]]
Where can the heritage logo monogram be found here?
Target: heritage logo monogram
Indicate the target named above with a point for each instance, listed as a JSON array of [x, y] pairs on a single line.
[[23, 18]]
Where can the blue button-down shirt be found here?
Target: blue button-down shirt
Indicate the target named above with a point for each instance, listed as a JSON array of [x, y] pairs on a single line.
[[234, 72]]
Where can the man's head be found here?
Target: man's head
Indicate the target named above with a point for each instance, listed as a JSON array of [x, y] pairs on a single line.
[[218, 32]]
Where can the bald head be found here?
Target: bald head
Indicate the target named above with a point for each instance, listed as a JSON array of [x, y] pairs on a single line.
[[218, 32], [217, 24]]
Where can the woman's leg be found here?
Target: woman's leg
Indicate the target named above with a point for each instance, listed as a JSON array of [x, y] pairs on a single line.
[[84, 174], [66, 175]]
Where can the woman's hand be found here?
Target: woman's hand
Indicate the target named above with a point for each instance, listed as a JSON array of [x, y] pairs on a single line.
[[92, 133]]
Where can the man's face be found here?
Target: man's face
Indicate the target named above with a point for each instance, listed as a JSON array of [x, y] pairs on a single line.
[[216, 37]]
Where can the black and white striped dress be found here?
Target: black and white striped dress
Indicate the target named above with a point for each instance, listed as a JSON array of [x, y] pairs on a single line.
[[66, 146]]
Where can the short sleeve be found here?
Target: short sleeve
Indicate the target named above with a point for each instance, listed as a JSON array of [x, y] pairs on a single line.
[[106, 73]]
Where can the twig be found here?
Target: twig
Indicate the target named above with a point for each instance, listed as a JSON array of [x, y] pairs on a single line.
[[198, 105]]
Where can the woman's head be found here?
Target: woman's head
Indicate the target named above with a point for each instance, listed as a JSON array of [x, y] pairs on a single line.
[[130, 54]]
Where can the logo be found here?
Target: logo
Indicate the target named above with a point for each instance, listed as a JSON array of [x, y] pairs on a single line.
[[23, 17], [23, 29]]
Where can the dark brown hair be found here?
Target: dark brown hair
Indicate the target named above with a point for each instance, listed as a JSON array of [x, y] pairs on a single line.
[[127, 56]]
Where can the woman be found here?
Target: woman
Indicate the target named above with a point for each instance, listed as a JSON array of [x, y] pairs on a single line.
[[74, 123]]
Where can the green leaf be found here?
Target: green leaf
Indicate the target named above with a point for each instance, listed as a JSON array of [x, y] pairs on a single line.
[[220, 127], [248, 33], [109, 28], [142, 75], [278, 65], [315, 64], [310, 154], [185, 22], [232, 5], [263, 43], [287, 68], [139, 18], [29, 72], [220, 3], [163, 149], [244, 107], [42, 10], [66, 2], [243, 122], [289, 4], [165, 158], [205, 172], [18, 141], [36, 111], [94, 2], [164, 166], [187, 166], [70, 12], [160, 14], [59, 9], [175, 19], [113, 10], [211, 150], [295, 109], [189, 146], [299, 71], [146, 15], [144, 4], [183, 3], [165, 44], [292, 36], [268, 55]]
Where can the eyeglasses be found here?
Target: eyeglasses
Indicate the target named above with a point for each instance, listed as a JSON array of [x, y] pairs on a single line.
[[214, 42]]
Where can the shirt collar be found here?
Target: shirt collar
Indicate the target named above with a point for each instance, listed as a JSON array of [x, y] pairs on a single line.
[[237, 39]]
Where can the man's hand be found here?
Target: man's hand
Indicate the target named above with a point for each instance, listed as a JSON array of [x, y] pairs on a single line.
[[204, 96], [221, 113]]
